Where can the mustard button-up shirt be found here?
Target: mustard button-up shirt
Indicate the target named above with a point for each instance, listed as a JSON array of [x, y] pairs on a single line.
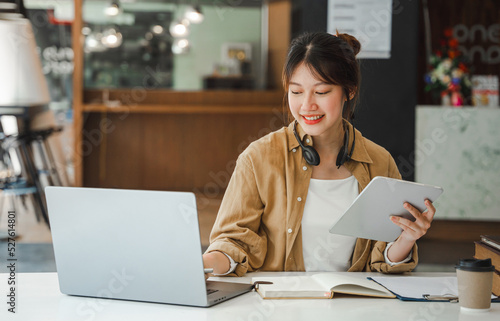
[[259, 221]]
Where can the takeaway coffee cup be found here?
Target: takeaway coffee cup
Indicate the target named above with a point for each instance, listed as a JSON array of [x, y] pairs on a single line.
[[475, 281]]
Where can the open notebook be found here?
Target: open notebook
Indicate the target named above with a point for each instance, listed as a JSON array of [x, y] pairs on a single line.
[[318, 286]]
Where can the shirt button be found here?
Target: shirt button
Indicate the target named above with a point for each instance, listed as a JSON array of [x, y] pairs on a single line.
[[299, 199], [294, 150], [304, 168], [307, 140], [289, 231]]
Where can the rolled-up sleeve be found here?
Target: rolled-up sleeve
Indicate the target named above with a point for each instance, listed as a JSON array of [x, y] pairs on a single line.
[[237, 230], [379, 264]]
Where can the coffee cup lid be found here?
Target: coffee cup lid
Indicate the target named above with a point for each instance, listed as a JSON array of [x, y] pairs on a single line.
[[475, 265]]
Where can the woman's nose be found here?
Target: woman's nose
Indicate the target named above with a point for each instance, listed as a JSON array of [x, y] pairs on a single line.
[[309, 102]]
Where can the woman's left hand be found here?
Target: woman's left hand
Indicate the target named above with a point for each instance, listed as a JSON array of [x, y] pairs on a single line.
[[412, 231]]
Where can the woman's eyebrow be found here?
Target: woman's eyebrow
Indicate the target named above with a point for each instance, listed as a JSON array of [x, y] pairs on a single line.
[[316, 84]]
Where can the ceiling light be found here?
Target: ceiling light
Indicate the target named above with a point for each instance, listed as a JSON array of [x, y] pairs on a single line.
[[86, 31], [112, 38], [113, 9], [179, 28], [180, 46], [194, 14], [157, 29], [93, 43]]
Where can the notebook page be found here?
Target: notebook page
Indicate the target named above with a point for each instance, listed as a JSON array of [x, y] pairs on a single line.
[[349, 284], [291, 286]]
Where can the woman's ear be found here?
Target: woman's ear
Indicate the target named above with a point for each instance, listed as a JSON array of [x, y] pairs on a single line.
[[353, 93]]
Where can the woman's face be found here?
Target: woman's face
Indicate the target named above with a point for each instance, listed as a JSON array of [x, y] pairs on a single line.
[[316, 105]]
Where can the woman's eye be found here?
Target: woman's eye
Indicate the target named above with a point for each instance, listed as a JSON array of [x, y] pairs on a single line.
[[323, 93], [294, 92]]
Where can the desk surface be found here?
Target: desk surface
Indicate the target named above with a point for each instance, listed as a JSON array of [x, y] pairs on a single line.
[[38, 298]]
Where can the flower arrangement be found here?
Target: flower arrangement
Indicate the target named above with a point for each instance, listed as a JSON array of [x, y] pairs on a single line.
[[448, 76]]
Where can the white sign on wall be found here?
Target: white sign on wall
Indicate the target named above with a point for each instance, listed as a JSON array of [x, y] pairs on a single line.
[[370, 21]]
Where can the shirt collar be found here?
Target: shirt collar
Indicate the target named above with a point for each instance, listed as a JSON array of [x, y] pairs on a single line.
[[360, 153]]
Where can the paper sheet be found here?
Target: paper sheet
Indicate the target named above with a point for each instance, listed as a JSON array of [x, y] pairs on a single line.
[[415, 287], [370, 21]]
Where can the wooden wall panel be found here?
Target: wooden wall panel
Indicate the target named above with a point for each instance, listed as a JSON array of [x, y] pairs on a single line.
[[77, 45], [140, 97], [280, 12], [448, 241], [170, 152]]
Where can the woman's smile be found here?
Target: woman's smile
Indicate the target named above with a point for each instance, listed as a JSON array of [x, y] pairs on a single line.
[[311, 120]]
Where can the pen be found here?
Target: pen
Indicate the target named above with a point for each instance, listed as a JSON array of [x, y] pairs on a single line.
[[208, 270]]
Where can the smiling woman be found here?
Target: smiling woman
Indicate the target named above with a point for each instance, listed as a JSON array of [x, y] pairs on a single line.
[[260, 227]]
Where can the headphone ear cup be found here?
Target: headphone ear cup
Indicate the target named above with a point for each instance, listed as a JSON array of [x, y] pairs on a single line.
[[310, 155], [308, 152]]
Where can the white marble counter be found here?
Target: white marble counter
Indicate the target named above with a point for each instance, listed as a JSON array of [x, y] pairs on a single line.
[[459, 150]]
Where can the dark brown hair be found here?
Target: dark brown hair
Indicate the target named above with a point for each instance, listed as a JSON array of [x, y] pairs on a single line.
[[330, 58]]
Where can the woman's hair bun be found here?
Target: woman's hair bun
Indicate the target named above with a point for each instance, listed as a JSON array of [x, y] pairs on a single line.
[[351, 41]]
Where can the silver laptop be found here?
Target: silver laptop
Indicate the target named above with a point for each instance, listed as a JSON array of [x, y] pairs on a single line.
[[131, 245]]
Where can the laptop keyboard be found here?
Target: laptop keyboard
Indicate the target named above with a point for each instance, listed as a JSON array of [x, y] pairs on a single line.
[[210, 291]]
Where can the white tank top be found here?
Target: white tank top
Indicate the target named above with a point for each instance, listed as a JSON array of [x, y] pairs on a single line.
[[326, 202]]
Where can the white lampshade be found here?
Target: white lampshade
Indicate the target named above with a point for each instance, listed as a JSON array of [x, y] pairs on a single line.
[[22, 82]]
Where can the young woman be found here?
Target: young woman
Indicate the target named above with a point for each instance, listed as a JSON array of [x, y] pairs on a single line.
[[283, 196]]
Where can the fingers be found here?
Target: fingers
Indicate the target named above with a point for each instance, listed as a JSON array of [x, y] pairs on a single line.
[[404, 223], [431, 210], [411, 230], [423, 219], [413, 211], [417, 229]]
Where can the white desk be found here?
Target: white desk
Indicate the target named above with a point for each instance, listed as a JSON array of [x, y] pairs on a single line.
[[38, 298]]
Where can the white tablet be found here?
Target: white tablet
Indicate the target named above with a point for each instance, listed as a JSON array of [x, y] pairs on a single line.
[[368, 216]]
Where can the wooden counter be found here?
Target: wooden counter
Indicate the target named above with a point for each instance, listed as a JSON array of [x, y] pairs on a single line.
[[173, 140], [189, 147]]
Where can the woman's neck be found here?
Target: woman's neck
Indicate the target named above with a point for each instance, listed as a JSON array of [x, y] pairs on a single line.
[[328, 147], [330, 142]]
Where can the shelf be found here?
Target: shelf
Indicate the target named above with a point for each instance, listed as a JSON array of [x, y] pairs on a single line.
[[182, 109]]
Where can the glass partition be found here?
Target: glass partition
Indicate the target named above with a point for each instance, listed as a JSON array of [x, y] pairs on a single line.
[[182, 45]]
